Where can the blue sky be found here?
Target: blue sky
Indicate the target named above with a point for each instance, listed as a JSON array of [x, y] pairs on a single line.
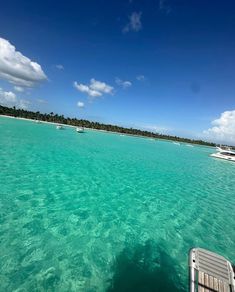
[[160, 64]]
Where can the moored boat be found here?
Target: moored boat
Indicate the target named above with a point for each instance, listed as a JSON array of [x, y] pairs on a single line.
[[176, 143], [224, 154], [59, 127], [80, 129]]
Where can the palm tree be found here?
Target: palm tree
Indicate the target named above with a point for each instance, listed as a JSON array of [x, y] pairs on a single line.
[[85, 123]]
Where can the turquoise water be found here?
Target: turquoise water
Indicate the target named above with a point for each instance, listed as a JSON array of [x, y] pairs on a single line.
[[103, 212]]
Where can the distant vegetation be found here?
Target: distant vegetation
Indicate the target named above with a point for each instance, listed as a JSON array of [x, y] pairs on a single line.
[[93, 125]]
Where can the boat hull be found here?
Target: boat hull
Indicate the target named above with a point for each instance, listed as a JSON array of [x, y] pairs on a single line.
[[220, 156], [80, 130]]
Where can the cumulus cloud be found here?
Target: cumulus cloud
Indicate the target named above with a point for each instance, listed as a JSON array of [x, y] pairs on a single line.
[[9, 99], [80, 104], [86, 89], [17, 68], [140, 77], [94, 89], [60, 67], [122, 83], [223, 128], [100, 86], [134, 23]]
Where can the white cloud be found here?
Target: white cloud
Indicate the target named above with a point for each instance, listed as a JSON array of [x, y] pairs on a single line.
[[156, 128], [100, 86], [123, 84], [60, 67], [17, 68], [80, 104], [23, 103], [134, 23], [140, 77], [164, 6], [95, 88], [86, 89], [223, 128], [9, 99], [41, 100], [18, 88]]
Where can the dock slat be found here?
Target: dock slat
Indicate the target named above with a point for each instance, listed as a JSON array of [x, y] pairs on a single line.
[[206, 282], [214, 270], [211, 285], [201, 281], [226, 288], [221, 286], [216, 285]]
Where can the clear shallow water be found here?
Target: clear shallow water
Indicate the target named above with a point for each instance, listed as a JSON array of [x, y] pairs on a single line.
[[104, 212]]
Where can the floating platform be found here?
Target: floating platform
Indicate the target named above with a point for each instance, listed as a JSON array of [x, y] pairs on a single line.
[[210, 272]]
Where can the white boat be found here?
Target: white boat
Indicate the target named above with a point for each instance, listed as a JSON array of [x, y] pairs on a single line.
[[221, 148], [224, 154], [189, 145], [38, 122], [80, 129], [59, 127], [176, 143]]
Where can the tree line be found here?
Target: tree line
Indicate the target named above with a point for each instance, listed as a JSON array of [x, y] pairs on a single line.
[[51, 117]]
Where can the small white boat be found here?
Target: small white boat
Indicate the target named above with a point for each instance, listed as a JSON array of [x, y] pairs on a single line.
[[224, 154], [59, 127], [80, 129], [189, 145], [176, 143], [38, 122]]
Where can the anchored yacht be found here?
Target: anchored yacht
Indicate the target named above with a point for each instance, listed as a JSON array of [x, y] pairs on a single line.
[[80, 129], [59, 127], [176, 143], [226, 154]]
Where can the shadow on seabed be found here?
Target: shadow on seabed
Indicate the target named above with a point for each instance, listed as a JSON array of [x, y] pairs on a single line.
[[145, 269]]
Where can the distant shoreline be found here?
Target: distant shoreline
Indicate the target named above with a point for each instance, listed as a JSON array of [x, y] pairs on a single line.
[[106, 131], [53, 118], [45, 122], [71, 126]]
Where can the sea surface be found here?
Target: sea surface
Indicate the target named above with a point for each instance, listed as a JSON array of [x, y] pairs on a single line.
[[97, 211]]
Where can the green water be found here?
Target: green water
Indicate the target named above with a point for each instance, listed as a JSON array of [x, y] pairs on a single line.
[[103, 212]]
